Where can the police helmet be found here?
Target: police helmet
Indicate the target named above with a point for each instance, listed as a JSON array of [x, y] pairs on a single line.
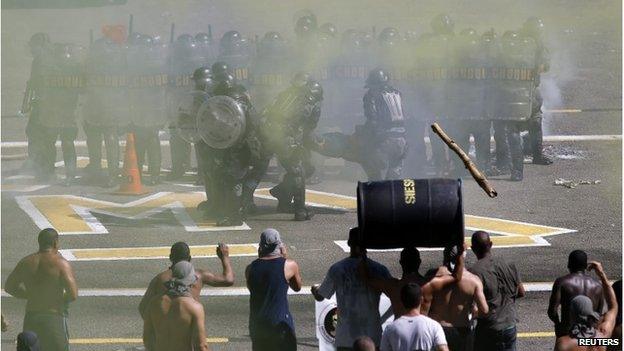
[[328, 30], [300, 79], [468, 32], [510, 35], [219, 70], [230, 38], [533, 26], [305, 25], [203, 38], [39, 39], [201, 73], [205, 84], [442, 24], [134, 38], [377, 77], [315, 90], [388, 35]]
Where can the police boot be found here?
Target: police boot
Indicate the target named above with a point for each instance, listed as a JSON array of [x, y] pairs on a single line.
[[301, 212], [284, 203]]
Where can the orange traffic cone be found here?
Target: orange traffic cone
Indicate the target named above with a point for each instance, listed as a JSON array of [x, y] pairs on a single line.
[[131, 176]]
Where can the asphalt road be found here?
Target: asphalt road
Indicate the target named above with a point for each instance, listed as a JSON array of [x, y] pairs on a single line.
[[588, 74]]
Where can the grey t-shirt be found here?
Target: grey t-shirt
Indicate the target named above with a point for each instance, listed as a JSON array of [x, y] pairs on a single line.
[[418, 333], [500, 287], [358, 306]]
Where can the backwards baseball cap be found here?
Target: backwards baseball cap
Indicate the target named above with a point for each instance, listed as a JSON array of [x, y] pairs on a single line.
[[582, 308], [27, 341], [183, 276], [269, 242]]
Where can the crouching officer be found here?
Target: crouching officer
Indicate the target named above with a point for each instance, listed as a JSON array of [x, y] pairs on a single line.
[[291, 120]]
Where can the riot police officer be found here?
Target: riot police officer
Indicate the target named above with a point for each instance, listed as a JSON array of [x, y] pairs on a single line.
[[384, 128], [40, 48], [63, 82], [533, 29], [291, 120]]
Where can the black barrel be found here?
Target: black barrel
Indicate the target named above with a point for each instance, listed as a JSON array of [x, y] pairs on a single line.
[[410, 212]]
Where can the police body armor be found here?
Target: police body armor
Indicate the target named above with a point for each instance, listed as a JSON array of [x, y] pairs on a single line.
[[147, 85], [62, 82], [106, 102], [515, 80], [466, 86], [384, 112]]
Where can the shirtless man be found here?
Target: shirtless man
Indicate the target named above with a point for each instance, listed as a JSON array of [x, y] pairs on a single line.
[[174, 321], [180, 251], [46, 280], [410, 263], [451, 305], [586, 322], [565, 288]]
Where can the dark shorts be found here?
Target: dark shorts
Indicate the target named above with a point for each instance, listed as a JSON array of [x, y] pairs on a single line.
[[278, 338], [51, 330], [487, 339], [459, 339]]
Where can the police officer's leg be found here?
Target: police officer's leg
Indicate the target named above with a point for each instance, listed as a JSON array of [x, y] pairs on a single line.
[[94, 147], [515, 150], [232, 204], [111, 141], [283, 191], [180, 155], [459, 131], [536, 136], [396, 151], [503, 161], [481, 133], [251, 182], [140, 143], [154, 154], [297, 172], [46, 153], [68, 136]]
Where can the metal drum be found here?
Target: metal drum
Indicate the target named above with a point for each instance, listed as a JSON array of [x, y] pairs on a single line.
[[410, 213]]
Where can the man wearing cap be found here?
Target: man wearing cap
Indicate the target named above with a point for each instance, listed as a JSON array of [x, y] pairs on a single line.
[[175, 321], [586, 322], [46, 281], [358, 306], [180, 251], [271, 325], [567, 287], [27, 341]]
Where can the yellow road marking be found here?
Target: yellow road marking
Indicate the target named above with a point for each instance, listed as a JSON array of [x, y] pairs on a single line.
[[537, 335], [130, 341], [137, 253]]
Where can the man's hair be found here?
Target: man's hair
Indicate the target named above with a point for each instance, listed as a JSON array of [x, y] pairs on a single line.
[[410, 295], [481, 242], [363, 343], [47, 238], [410, 260], [180, 251], [450, 256], [577, 261]]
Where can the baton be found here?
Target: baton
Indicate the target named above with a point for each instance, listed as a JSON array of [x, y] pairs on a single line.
[[470, 166]]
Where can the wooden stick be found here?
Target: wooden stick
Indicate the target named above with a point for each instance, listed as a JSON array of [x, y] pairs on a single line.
[[470, 166]]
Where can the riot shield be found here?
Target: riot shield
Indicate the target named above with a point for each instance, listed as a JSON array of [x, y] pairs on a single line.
[[221, 122], [62, 82], [106, 101], [147, 85], [188, 105], [515, 80]]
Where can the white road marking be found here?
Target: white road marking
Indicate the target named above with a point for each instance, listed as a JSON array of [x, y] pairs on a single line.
[[239, 291]]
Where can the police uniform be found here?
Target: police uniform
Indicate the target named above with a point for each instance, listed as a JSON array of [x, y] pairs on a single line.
[[291, 119]]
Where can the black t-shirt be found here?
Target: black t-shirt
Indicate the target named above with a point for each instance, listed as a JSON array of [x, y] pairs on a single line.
[[500, 286]]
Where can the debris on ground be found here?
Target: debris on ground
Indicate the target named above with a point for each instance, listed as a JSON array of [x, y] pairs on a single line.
[[571, 184]]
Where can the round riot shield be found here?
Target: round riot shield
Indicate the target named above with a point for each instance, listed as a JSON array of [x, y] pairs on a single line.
[[221, 122], [185, 123]]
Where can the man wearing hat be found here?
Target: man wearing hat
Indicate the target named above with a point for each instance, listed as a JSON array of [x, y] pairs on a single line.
[[175, 321], [586, 322], [271, 325]]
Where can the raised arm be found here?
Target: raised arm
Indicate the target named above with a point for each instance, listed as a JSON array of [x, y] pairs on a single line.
[[555, 302], [14, 285], [69, 282], [608, 319], [226, 278]]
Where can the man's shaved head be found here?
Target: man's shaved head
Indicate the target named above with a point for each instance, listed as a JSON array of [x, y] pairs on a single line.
[[48, 238], [481, 243], [410, 260], [363, 343]]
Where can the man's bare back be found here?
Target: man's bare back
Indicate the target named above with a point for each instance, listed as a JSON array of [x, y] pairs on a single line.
[[175, 324], [48, 282], [568, 287], [452, 304]]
